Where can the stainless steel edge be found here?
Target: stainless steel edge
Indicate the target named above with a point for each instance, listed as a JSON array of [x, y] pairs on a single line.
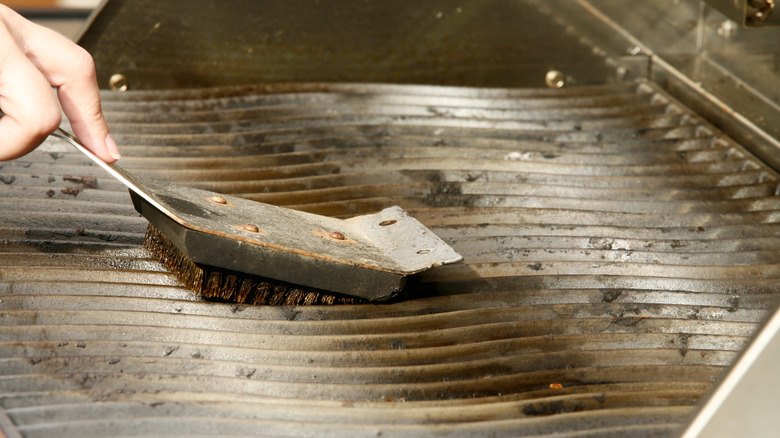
[[746, 402], [725, 116]]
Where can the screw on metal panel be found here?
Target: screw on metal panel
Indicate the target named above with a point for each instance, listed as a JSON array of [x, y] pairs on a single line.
[[250, 227], [554, 79], [217, 199], [336, 235], [387, 222], [118, 82], [727, 29]]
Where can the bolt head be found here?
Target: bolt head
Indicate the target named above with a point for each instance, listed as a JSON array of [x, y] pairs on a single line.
[[118, 82], [251, 228], [218, 199], [555, 79]]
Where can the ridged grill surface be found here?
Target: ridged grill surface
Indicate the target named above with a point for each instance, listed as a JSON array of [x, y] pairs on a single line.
[[619, 252]]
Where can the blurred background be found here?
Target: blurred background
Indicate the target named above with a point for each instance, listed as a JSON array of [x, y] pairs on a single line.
[[65, 16], [87, 4]]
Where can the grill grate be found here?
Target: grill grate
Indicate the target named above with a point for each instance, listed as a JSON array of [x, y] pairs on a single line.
[[619, 252]]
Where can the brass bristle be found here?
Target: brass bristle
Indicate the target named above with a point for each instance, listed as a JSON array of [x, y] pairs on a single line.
[[226, 285]]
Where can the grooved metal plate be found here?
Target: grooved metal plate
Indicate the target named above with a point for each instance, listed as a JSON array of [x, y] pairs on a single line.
[[619, 252]]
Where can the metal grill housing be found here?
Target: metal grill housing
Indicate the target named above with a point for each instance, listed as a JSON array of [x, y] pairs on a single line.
[[619, 252]]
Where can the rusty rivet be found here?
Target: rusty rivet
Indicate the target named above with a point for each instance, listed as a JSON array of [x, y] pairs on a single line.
[[336, 235], [218, 199], [250, 227], [387, 222]]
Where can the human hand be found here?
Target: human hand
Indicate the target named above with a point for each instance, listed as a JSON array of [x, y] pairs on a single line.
[[33, 59]]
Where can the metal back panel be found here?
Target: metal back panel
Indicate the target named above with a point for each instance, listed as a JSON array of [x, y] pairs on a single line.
[[175, 44]]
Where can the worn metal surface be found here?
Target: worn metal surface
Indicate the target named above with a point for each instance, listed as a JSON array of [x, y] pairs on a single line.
[[619, 253], [367, 256]]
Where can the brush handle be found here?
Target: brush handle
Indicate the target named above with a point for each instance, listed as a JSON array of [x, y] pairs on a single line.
[[114, 170]]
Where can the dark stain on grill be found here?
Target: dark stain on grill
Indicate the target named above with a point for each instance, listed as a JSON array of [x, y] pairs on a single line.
[[442, 193], [605, 286], [611, 295], [551, 408]]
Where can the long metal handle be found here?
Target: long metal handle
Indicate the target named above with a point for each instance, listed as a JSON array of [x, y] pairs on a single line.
[[115, 170]]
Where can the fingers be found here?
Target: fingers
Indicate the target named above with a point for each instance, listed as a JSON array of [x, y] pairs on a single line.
[[71, 70], [26, 98], [80, 99]]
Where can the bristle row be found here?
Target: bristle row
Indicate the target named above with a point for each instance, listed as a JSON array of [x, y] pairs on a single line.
[[225, 285]]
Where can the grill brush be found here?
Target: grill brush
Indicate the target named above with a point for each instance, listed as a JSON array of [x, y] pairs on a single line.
[[244, 251]]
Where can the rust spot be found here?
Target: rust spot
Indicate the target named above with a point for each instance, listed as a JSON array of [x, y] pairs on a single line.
[[88, 182], [387, 222], [556, 386], [73, 191]]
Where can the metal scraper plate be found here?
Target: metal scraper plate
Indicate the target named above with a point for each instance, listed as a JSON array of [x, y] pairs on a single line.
[[366, 256]]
